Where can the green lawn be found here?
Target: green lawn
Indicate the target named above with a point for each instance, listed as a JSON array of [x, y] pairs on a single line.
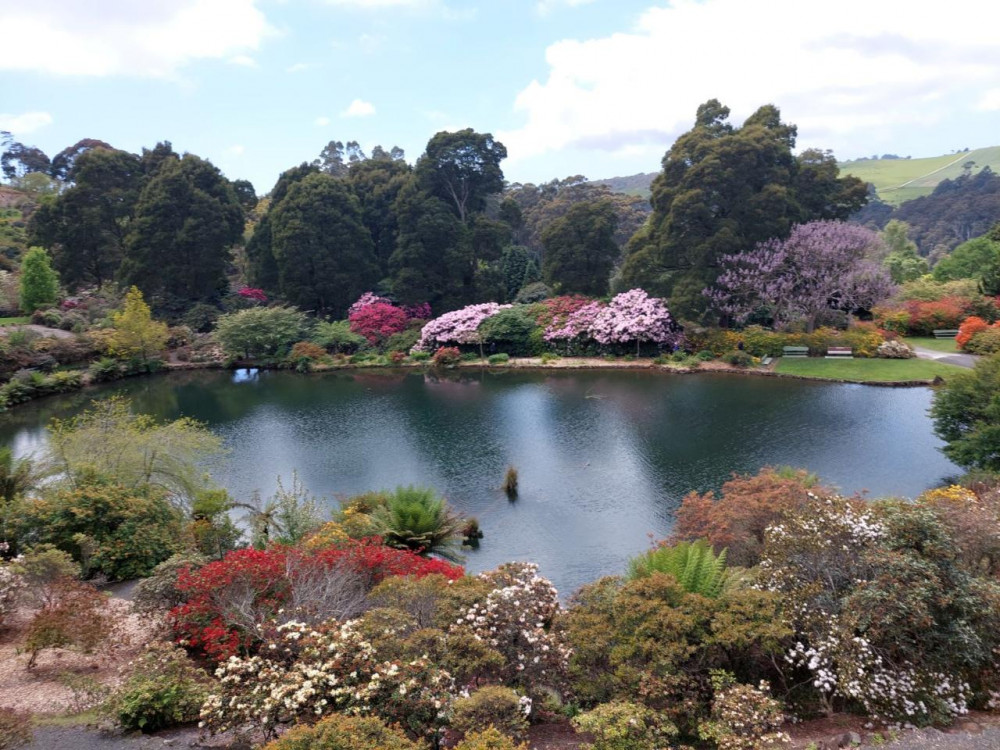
[[867, 370], [14, 321], [929, 342]]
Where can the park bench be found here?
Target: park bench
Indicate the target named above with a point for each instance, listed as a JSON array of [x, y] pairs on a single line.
[[840, 352], [945, 333], [766, 361], [795, 351]]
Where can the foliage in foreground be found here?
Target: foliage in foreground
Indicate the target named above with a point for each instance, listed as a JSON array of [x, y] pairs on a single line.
[[342, 732], [966, 413]]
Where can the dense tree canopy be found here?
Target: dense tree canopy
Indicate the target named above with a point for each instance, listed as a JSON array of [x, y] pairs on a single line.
[[966, 414], [580, 249], [724, 189], [462, 168], [323, 251], [970, 260], [186, 220], [903, 261]]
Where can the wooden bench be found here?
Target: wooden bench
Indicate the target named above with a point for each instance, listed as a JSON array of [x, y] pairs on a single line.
[[766, 361], [840, 352], [795, 351], [945, 333]]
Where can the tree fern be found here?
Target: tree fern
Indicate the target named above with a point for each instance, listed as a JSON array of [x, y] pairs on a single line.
[[696, 567]]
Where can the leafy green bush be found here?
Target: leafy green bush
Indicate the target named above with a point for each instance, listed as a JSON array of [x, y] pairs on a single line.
[[495, 706], [403, 341], [420, 356], [260, 331], [490, 739], [105, 369], [337, 336], [984, 342], [111, 529], [164, 690], [342, 732], [737, 358], [510, 330], [469, 357], [621, 725], [159, 593], [498, 359], [695, 566]]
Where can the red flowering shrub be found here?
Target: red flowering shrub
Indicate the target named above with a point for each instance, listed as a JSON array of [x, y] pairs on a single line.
[[969, 328], [229, 601], [378, 321]]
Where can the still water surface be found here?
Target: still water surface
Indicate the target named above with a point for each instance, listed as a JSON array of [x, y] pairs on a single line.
[[604, 456]]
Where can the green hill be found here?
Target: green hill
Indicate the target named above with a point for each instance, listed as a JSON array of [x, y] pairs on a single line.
[[898, 180], [636, 184]]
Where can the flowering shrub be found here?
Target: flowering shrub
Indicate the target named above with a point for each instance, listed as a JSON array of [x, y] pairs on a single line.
[[969, 327], [743, 717], [457, 327], [515, 619], [11, 586], [575, 324], [894, 350], [229, 601], [378, 321], [308, 672], [368, 298], [635, 316], [253, 294], [420, 311]]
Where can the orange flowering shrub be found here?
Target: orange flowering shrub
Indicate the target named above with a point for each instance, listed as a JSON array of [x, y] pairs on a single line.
[[969, 328]]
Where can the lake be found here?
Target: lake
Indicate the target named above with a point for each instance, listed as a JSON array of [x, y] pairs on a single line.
[[604, 455]]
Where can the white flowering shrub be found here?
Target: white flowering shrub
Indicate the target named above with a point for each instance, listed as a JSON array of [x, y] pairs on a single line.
[[515, 619], [306, 672], [743, 717], [11, 586]]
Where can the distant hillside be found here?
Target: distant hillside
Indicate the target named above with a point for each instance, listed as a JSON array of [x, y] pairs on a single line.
[[636, 184], [899, 180]]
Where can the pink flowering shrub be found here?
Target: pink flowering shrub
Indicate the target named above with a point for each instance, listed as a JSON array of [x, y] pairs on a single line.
[[253, 295], [418, 312], [635, 316], [368, 298], [574, 325], [457, 327]]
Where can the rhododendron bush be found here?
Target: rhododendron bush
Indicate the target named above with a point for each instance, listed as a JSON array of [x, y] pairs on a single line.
[[230, 601], [377, 318], [457, 327], [635, 316]]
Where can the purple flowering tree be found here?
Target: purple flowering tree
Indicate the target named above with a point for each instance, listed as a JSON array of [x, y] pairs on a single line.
[[823, 265], [457, 327], [635, 316]]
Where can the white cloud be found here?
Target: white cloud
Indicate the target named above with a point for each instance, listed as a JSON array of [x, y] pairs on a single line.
[[121, 37], [236, 150], [989, 101], [371, 43], [359, 108], [27, 122], [322, 122], [379, 4], [298, 67], [244, 61], [545, 7], [842, 82]]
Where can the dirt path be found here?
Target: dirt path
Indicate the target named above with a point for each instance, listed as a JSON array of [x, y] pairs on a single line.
[[956, 358], [44, 331]]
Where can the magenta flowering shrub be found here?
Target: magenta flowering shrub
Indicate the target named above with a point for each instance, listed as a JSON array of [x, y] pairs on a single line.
[[253, 294], [457, 327], [635, 316]]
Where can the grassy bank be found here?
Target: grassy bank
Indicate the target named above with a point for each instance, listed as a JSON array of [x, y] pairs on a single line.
[[867, 370]]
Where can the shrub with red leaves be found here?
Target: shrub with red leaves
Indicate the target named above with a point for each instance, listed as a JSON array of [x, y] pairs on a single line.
[[253, 294], [230, 601], [926, 317], [378, 321]]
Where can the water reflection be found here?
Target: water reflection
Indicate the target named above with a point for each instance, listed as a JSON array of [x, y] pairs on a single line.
[[604, 457]]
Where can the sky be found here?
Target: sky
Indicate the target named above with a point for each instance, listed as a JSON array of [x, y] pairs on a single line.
[[593, 87]]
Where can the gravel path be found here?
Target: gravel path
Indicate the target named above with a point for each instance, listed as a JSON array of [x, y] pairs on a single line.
[[52, 333], [88, 738], [962, 360], [935, 739]]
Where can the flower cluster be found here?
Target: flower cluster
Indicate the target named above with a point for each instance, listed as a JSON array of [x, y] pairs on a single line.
[[11, 586], [253, 295], [457, 327], [515, 620], [744, 717], [368, 298], [635, 316], [576, 324], [378, 321], [306, 672]]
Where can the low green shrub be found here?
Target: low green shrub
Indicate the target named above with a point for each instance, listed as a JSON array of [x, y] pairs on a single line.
[[420, 356], [490, 739], [498, 359], [342, 732], [105, 369], [469, 356], [164, 690], [548, 357], [495, 706], [620, 725], [705, 355], [984, 342], [738, 358]]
